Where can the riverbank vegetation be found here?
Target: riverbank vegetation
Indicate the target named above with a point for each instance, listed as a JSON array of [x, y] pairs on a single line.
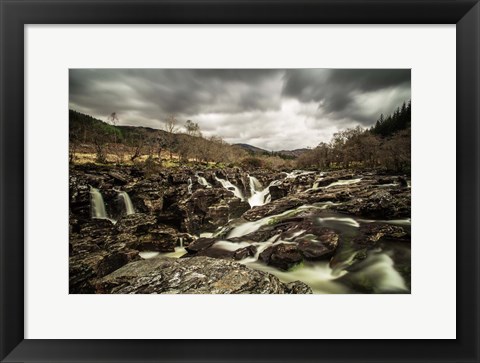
[[385, 146]]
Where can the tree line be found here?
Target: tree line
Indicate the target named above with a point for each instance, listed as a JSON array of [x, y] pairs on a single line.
[[128, 143], [385, 145]]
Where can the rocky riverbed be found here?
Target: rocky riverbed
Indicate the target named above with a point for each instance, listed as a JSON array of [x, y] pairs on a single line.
[[198, 230]]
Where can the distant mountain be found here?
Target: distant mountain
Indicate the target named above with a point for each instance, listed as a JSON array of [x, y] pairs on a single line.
[[288, 154]]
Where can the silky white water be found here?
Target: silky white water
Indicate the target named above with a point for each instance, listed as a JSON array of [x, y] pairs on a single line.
[[379, 268], [258, 195], [126, 202], [344, 182], [179, 252], [230, 187], [202, 181], [97, 205], [189, 186], [296, 173], [250, 227], [255, 184]]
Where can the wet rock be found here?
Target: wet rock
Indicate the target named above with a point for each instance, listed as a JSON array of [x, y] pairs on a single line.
[[96, 228], [208, 209], [160, 239], [278, 191], [119, 178], [326, 181], [179, 177], [282, 255], [84, 269], [200, 244], [314, 250], [111, 262], [214, 252], [298, 287], [402, 182], [276, 207], [217, 215], [196, 275], [380, 204], [137, 223], [245, 252], [371, 233], [236, 207]]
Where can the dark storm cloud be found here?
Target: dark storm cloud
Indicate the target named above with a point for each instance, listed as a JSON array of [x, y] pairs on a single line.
[[275, 109], [161, 92], [339, 91]]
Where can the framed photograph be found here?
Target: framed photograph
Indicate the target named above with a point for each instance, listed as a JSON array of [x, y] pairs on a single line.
[[240, 181]]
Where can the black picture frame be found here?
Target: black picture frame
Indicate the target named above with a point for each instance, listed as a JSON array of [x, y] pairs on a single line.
[[15, 14]]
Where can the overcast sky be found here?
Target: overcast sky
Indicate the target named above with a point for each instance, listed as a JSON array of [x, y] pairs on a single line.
[[275, 109]]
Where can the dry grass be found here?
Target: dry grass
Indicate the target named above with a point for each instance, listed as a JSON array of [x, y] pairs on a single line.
[[119, 154]]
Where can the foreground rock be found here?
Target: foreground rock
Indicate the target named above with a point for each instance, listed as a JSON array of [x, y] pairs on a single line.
[[379, 204], [195, 275], [371, 233]]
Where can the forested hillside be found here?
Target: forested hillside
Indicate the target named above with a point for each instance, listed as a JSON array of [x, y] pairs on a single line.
[[385, 145]]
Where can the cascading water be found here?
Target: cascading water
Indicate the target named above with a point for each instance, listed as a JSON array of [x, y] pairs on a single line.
[[230, 187], [203, 182], [344, 182], [189, 187], [340, 275], [258, 196], [255, 184], [97, 204], [126, 202], [296, 173]]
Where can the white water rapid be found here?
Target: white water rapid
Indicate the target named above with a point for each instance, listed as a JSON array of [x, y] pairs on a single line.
[[229, 186], [97, 204], [126, 202], [258, 195], [189, 187], [202, 181]]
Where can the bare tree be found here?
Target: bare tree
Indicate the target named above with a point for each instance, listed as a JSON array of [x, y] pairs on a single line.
[[171, 127], [171, 124], [192, 128], [113, 120]]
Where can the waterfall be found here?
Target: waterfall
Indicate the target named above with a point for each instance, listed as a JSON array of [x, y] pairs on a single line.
[[181, 242], [126, 202], [258, 196], [230, 187], [189, 187], [97, 204], [255, 185], [202, 181]]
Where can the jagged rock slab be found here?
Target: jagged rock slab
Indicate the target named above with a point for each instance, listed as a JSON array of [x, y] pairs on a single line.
[[195, 275]]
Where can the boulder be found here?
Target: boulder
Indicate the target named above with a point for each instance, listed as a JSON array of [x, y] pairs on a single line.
[[195, 275], [381, 204], [84, 269], [283, 256], [371, 233], [275, 207], [245, 252], [138, 223], [160, 239], [200, 244]]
